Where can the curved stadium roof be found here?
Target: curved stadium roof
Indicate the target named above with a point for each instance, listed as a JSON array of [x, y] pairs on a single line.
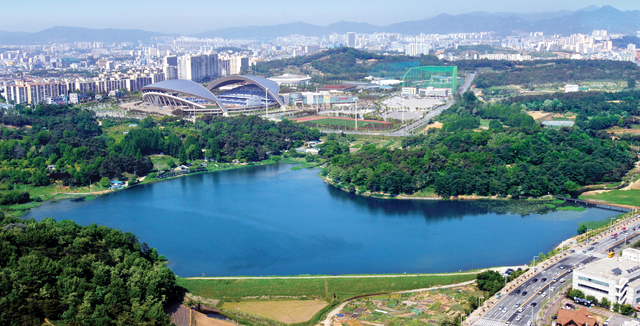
[[183, 86], [272, 87]]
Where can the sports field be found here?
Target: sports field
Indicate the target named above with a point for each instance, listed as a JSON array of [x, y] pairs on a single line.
[[341, 122]]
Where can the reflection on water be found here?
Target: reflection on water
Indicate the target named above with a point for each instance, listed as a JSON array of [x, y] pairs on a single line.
[[270, 220]]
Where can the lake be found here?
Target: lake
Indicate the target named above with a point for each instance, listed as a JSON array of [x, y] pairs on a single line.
[[271, 220]]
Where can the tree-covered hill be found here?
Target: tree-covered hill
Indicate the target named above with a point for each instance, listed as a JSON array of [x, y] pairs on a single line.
[[559, 71], [514, 157], [80, 275]]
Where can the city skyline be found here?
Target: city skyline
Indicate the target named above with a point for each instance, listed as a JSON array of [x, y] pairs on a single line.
[[163, 16]]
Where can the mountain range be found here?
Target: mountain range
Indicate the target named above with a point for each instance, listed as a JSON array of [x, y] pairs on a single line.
[[559, 22]]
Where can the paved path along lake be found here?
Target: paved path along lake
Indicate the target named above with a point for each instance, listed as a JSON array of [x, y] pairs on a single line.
[[270, 220]]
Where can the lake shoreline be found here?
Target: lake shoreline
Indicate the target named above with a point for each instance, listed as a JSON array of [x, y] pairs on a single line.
[[19, 212]]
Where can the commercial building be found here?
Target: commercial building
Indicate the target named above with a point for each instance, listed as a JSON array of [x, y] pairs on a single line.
[[618, 280]]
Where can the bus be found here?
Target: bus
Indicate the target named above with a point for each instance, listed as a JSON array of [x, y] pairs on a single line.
[[583, 302]]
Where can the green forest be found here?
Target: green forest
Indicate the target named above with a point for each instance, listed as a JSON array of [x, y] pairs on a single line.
[[62, 143], [557, 71], [595, 110], [80, 275], [514, 157]]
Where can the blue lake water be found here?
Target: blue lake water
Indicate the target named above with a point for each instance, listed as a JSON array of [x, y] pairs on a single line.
[[270, 220]]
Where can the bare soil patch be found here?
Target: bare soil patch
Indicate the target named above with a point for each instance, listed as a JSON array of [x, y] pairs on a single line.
[[536, 115], [288, 312]]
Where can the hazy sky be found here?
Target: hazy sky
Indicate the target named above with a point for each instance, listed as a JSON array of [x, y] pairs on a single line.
[[193, 16]]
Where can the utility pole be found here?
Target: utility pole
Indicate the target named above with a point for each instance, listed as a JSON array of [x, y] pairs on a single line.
[[356, 114], [266, 102]]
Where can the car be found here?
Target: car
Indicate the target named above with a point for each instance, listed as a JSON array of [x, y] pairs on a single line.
[[591, 248], [584, 251], [534, 280], [529, 323], [553, 288], [501, 307], [518, 318], [505, 310], [520, 309], [594, 243], [507, 322], [568, 305], [571, 251], [516, 291], [533, 304], [562, 266], [554, 280], [517, 304], [562, 280], [524, 293], [544, 294], [544, 279], [581, 265]]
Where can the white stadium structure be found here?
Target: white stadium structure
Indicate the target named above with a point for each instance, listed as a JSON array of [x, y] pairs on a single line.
[[240, 94]]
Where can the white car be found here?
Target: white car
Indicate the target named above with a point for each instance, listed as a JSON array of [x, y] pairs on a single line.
[[518, 318]]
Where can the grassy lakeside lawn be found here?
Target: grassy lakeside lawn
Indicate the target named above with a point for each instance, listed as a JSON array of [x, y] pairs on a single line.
[[309, 288], [621, 197]]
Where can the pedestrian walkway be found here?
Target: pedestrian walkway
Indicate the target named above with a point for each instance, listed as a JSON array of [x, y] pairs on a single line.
[[489, 322], [601, 311]]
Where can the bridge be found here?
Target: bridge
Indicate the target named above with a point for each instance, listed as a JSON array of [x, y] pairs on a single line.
[[613, 207]]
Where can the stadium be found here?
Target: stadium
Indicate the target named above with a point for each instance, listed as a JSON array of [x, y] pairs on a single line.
[[224, 96]]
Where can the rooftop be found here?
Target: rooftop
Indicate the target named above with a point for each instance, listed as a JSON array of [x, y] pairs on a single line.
[[579, 317], [612, 269]]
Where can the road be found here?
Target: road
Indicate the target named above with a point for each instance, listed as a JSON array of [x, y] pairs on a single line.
[[537, 287], [409, 128]]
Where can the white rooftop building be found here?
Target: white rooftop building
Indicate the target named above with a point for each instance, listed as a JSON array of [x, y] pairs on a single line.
[[617, 279]]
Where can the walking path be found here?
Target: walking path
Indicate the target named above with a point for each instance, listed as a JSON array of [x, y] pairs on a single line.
[[497, 269]]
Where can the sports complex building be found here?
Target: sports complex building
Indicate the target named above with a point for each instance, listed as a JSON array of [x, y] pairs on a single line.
[[224, 96]]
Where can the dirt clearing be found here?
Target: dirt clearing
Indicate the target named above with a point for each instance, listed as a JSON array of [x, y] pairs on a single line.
[[288, 312]]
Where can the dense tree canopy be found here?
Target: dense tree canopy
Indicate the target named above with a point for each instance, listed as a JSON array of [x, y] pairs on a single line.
[[522, 160], [558, 71], [80, 275], [67, 138]]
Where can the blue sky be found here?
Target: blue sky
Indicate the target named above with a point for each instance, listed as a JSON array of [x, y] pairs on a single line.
[[193, 16]]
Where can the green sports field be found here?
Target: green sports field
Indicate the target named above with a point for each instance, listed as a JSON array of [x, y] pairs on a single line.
[[343, 122]]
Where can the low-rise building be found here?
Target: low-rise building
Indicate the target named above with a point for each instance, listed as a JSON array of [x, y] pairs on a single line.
[[618, 280], [580, 317]]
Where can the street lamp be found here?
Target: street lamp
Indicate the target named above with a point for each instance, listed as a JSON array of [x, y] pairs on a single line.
[[479, 301], [460, 312], [588, 235]]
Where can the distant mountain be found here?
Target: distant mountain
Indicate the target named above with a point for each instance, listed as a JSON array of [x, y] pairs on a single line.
[[290, 29], [585, 21], [63, 34], [465, 23], [560, 22]]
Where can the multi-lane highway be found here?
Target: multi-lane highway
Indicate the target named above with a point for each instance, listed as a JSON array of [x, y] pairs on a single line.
[[524, 302]]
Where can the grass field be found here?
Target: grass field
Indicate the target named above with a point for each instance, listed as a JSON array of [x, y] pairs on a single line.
[[287, 312], [621, 197], [343, 122], [237, 289]]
